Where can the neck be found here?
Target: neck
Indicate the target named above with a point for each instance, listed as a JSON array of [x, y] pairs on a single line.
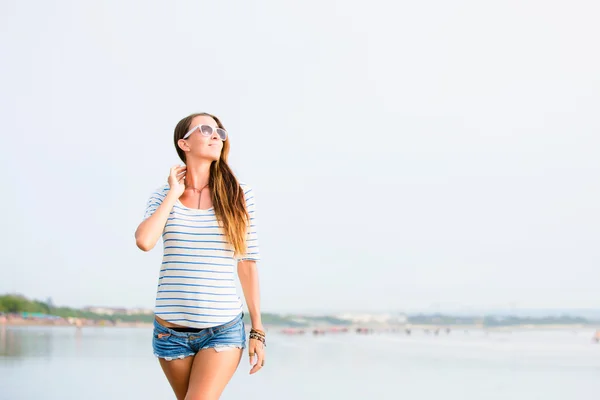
[[197, 173]]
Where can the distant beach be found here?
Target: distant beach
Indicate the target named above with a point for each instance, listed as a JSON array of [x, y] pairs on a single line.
[[17, 310], [74, 322], [315, 329]]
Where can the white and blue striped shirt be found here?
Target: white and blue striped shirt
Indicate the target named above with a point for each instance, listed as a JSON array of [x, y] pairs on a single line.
[[196, 285]]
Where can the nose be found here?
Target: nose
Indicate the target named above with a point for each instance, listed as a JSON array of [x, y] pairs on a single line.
[[215, 135]]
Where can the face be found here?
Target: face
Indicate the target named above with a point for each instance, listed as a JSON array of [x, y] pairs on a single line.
[[199, 146]]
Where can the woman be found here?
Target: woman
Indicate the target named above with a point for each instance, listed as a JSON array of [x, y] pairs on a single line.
[[208, 224]]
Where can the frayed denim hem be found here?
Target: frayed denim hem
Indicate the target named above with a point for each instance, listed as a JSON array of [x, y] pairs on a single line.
[[179, 357]]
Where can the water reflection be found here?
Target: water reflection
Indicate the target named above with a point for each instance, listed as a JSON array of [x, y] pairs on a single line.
[[27, 342], [554, 365]]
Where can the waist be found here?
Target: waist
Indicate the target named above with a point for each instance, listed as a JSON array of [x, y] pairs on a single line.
[[179, 330]]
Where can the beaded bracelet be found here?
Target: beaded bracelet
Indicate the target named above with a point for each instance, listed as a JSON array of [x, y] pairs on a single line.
[[258, 337], [252, 330]]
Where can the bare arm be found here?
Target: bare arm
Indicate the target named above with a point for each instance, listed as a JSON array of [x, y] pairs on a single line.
[[149, 231], [248, 274]]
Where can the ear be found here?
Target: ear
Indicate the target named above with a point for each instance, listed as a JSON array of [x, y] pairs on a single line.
[[183, 145]]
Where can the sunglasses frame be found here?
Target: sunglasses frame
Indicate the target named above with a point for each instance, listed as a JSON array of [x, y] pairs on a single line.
[[199, 126]]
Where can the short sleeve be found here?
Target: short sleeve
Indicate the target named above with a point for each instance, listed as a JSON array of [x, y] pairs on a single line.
[[253, 248], [155, 201]]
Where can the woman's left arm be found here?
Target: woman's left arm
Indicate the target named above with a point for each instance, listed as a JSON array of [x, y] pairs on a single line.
[[248, 275]]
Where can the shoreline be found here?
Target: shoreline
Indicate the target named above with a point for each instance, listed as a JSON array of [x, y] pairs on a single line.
[[21, 323], [360, 329]]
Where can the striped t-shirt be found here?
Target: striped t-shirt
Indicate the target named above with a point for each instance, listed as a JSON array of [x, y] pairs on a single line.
[[196, 284]]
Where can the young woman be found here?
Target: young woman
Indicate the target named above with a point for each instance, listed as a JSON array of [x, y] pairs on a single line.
[[207, 220]]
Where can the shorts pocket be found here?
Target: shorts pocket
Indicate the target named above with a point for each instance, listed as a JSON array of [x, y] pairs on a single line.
[[167, 346], [232, 336], [161, 335]]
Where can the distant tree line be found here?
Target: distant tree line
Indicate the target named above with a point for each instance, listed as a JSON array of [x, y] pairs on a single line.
[[19, 304], [16, 303]]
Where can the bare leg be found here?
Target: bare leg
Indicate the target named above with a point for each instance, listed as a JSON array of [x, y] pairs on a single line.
[[178, 374], [211, 372]]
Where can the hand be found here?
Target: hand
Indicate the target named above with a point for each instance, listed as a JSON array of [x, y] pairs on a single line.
[[256, 349], [176, 177]]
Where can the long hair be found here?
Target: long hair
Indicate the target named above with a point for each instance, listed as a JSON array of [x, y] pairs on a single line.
[[226, 194]]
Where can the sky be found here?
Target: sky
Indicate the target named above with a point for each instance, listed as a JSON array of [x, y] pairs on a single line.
[[405, 156]]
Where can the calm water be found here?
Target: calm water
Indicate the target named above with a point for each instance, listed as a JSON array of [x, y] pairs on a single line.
[[117, 363]]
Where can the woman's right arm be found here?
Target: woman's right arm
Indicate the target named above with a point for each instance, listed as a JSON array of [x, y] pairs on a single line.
[[149, 231]]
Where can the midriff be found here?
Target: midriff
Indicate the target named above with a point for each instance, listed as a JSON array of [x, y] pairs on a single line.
[[167, 324]]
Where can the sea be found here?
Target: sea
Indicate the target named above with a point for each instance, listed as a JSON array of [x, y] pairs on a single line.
[[110, 363]]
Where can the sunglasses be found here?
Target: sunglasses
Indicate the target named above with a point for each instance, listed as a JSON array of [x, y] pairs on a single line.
[[207, 130]]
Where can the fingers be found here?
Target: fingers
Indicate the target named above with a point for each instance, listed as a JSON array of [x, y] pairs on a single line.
[[178, 173], [260, 362], [176, 170], [251, 352]]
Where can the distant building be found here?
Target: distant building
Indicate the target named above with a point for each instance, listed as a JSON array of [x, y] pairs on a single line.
[[118, 310], [105, 310], [138, 311], [365, 318]]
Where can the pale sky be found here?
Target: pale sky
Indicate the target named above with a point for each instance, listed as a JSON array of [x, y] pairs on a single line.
[[425, 155]]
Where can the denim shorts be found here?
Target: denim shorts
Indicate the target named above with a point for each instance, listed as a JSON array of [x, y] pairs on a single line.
[[170, 344]]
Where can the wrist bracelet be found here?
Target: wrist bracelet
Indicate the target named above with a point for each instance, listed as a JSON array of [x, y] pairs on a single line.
[[257, 331]]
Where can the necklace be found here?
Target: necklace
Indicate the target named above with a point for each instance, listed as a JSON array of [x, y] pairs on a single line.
[[199, 192]]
